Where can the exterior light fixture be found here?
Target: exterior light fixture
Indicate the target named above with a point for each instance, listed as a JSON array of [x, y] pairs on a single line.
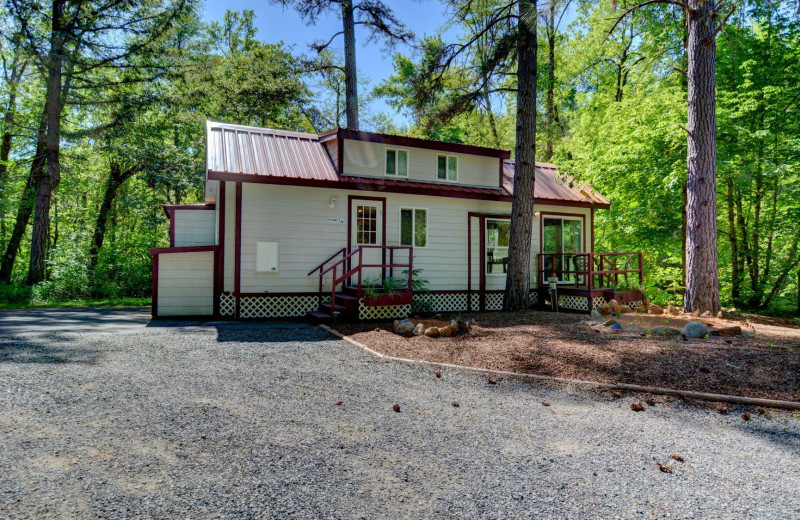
[[333, 202]]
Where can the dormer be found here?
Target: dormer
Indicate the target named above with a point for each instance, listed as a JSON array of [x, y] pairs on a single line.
[[374, 155]]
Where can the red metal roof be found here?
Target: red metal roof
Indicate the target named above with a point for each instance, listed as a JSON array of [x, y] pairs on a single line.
[[262, 151], [550, 186], [262, 155]]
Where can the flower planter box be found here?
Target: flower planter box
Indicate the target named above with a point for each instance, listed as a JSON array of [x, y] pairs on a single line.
[[624, 297], [386, 300]]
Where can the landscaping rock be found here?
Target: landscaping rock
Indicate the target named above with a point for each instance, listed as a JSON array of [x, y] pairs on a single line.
[[596, 314], [405, 327], [419, 330], [696, 313], [719, 315], [615, 307], [727, 331], [639, 308], [609, 323], [655, 309], [665, 331], [695, 329], [446, 332], [604, 309], [706, 314], [672, 310], [432, 332], [615, 326], [624, 309], [454, 326]]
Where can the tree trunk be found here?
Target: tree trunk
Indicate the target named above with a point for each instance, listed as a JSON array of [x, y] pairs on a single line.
[[702, 281], [551, 80], [50, 180], [519, 252], [490, 115], [26, 203], [350, 72], [736, 280], [115, 179]]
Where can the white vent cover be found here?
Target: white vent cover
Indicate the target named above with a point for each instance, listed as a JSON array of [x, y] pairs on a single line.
[[267, 257]]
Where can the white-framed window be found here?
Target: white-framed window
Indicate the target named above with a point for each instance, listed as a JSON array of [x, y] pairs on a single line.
[[396, 162], [414, 227], [447, 167], [498, 233]]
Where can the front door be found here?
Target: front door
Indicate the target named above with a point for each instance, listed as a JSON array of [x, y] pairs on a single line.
[[563, 236], [366, 229]]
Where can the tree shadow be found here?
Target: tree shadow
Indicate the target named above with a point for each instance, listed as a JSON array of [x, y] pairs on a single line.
[[50, 351], [270, 332]]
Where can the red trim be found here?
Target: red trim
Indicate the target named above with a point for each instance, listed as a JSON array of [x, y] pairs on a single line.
[[469, 261], [220, 273], [171, 231], [340, 155], [154, 290], [415, 142], [237, 262], [190, 249], [558, 213], [482, 284], [167, 207], [350, 199], [591, 227]]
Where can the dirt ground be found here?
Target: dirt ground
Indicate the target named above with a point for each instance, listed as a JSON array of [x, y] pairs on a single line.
[[763, 364]]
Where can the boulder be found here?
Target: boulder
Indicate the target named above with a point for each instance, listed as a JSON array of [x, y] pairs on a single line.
[[672, 310], [695, 329], [624, 309], [639, 308], [696, 313], [446, 332], [615, 326], [727, 331], [655, 309], [432, 332], [419, 330], [596, 315], [454, 326], [604, 309], [615, 307], [706, 314], [719, 315], [405, 327], [664, 331]]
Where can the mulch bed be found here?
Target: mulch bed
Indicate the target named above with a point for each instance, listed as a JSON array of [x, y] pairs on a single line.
[[765, 365]]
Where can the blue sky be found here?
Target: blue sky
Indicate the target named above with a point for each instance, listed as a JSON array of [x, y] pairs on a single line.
[[276, 23]]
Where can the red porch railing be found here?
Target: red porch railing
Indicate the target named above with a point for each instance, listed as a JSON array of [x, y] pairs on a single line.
[[590, 270], [357, 256]]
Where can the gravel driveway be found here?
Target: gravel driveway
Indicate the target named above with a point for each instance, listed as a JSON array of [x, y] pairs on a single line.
[[241, 421]]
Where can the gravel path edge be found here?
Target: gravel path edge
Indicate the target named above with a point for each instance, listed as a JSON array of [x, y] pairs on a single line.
[[700, 396]]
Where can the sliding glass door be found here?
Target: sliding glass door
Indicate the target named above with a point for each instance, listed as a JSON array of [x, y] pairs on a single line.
[[563, 237]]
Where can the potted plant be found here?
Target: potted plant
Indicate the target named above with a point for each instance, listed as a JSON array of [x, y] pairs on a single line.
[[625, 292], [388, 293]]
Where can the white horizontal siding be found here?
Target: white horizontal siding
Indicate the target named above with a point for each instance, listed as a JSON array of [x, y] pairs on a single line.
[[186, 283], [369, 159], [194, 227]]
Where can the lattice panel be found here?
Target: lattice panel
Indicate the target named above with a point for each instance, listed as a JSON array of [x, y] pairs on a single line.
[[633, 305], [442, 302], [533, 299], [382, 312], [598, 301], [227, 304], [277, 306], [574, 303], [476, 301], [494, 301]]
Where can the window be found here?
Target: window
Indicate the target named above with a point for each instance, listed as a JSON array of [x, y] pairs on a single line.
[[498, 233], [413, 227], [397, 162], [367, 225], [447, 168], [562, 240]]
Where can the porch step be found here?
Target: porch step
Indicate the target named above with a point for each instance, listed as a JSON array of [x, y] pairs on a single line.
[[350, 290], [342, 309], [346, 300], [319, 317]]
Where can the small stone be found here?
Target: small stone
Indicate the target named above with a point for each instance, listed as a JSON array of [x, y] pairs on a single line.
[[446, 332], [655, 309], [706, 314], [545, 403], [696, 313], [722, 410], [664, 468], [615, 326], [727, 331], [677, 457], [672, 310], [745, 416], [454, 326], [637, 407], [396, 408], [650, 401], [596, 314], [339, 402], [438, 374], [455, 404], [405, 327], [664, 331], [695, 329], [719, 315], [432, 332], [419, 330]]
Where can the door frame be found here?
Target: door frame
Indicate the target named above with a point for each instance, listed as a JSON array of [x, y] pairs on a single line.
[[382, 200], [573, 216]]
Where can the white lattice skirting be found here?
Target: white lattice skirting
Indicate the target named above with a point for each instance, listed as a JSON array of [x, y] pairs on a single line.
[[573, 303], [277, 306], [227, 304], [383, 312]]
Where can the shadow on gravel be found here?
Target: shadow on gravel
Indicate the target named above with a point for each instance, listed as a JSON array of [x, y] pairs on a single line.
[[270, 332], [54, 352]]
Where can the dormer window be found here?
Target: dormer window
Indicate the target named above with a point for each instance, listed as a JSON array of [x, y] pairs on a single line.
[[447, 168], [396, 162]]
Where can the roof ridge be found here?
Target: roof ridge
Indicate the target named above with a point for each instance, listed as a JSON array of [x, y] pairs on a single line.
[[260, 130]]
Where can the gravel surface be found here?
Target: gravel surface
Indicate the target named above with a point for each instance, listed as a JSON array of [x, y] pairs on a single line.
[[764, 364], [243, 422]]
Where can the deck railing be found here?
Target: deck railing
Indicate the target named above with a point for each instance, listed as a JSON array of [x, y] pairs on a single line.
[[590, 270], [342, 270]]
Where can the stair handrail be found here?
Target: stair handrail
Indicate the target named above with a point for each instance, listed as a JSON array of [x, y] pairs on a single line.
[[322, 265]]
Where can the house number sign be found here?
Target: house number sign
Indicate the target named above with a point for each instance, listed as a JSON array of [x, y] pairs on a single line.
[[332, 220]]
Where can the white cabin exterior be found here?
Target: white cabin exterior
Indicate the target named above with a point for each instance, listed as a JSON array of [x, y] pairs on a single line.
[[278, 204]]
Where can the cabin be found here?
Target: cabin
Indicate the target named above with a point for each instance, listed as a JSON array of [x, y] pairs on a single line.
[[351, 224]]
